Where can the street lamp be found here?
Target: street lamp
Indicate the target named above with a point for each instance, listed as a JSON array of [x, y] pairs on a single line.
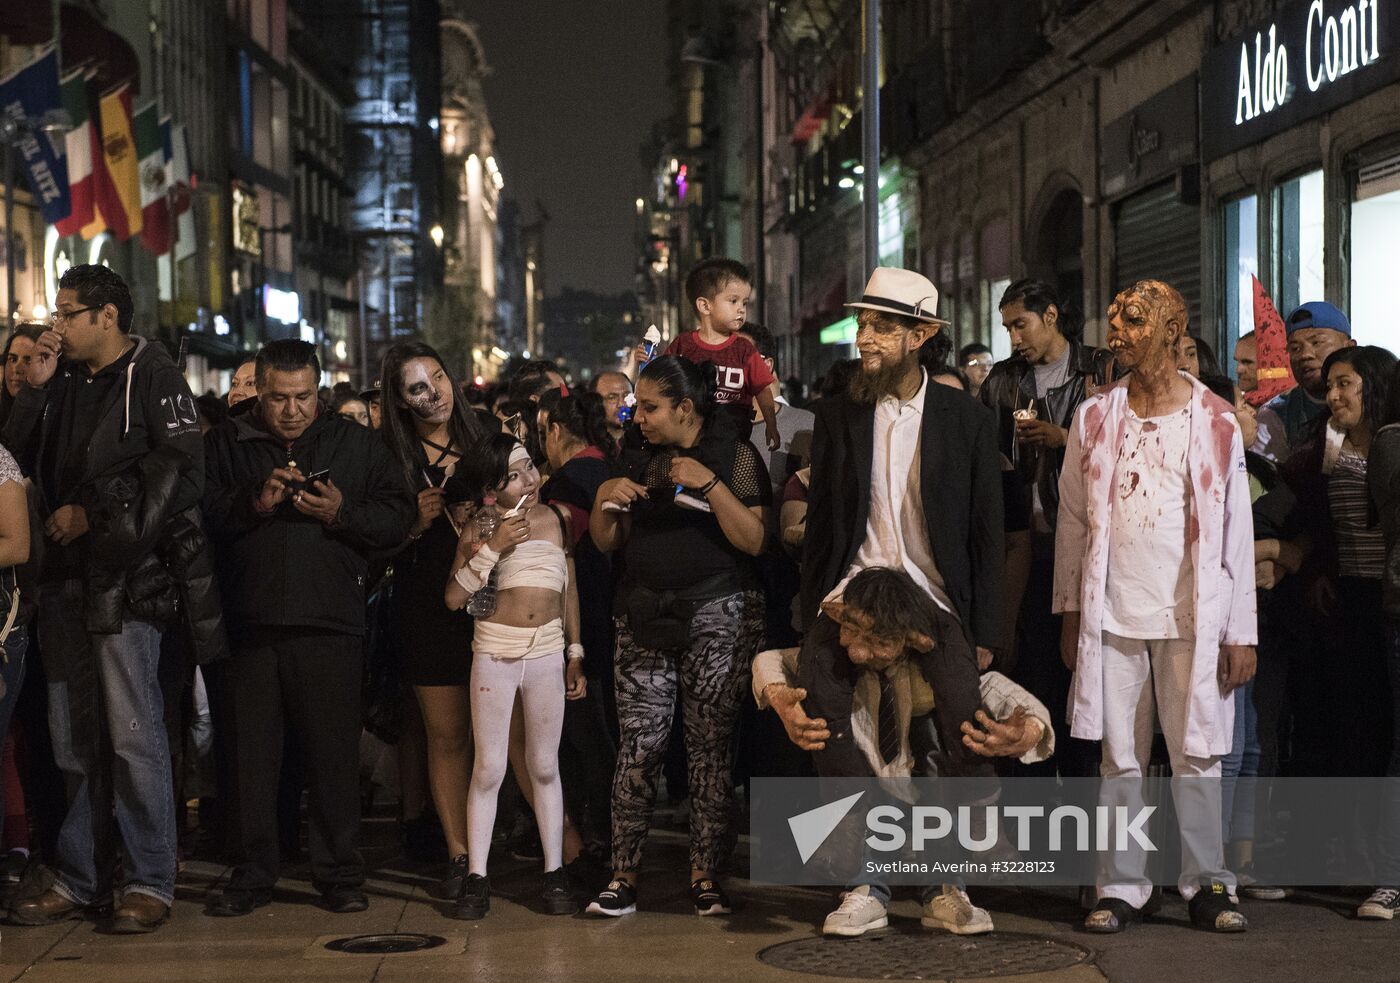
[[436, 234], [14, 130]]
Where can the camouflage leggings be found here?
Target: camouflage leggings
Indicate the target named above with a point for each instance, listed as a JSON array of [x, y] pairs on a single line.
[[711, 675]]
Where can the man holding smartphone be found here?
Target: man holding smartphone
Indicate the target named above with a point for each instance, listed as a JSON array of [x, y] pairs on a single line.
[[296, 501]]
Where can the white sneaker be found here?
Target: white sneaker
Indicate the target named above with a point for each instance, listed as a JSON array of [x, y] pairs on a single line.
[[858, 913], [1380, 905], [954, 911]]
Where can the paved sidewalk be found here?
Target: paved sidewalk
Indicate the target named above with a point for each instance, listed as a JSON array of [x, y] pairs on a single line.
[[1307, 938]]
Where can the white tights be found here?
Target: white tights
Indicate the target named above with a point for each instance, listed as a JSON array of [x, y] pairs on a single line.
[[495, 683]]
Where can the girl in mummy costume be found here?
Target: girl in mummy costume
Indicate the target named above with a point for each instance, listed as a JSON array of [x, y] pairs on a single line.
[[528, 648]]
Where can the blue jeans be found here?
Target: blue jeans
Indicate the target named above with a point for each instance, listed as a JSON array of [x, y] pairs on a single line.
[[11, 679], [1239, 770], [105, 688]]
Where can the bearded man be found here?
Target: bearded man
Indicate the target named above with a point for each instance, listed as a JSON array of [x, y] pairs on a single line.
[[905, 474]]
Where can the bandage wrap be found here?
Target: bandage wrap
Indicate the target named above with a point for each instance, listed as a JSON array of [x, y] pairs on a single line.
[[474, 575], [575, 651]]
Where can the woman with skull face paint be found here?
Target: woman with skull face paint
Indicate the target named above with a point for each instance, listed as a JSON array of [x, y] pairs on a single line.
[[430, 430], [519, 655]]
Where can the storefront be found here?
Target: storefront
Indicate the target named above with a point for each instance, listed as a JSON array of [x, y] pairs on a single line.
[[1151, 179], [1300, 133]]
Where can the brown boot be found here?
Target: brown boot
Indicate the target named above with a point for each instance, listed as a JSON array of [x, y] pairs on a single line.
[[45, 909], [139, 913]]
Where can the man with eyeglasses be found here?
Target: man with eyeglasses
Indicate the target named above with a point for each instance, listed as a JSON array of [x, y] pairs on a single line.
[[614, 387], [114, 432]]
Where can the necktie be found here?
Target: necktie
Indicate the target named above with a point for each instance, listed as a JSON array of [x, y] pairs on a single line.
[[889, 721]]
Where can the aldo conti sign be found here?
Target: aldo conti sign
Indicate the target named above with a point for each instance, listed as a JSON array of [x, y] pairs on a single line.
[[1312, 57]]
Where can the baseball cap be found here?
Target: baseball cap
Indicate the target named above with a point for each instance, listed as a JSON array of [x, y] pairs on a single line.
[[1318, 314]]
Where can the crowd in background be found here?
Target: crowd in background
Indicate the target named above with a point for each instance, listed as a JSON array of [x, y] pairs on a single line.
[[548, 594]]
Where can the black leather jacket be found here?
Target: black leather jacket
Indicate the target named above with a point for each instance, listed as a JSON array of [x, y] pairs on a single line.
[[144, 561], [1011, 385]]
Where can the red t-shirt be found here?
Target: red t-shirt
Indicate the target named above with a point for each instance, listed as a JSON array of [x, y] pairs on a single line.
[[741, 371]]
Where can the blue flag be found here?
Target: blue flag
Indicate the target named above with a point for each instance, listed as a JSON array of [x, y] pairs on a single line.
[[26, 96]]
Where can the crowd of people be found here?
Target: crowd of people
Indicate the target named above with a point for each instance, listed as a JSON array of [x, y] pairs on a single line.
[[549, 597]]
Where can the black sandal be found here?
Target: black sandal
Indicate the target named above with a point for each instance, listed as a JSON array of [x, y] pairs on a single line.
[[1110, 916], [1213, 910]]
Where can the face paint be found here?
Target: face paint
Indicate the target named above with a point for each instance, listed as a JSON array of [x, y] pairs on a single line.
[[420, 390]]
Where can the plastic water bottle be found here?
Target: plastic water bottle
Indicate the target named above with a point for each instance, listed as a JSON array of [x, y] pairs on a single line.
[[487, 520]]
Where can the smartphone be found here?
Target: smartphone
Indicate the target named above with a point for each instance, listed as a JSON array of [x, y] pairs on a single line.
[[315, 476]]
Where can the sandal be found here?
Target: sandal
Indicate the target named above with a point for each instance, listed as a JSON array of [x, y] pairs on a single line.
[[1213, 910], [1110, 916]]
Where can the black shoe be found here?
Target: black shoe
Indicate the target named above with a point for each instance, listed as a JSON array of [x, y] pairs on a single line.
[[557, 898], [1212, 910], [451, 885], [709, 898], [474, 900], [236, 902], [1111, 916], [344, 899], [617, 899]]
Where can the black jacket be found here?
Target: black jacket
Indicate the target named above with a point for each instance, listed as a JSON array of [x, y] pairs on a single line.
[[1011, 385], [142, 476], [288, 569], [961, 487], [1383, 477]]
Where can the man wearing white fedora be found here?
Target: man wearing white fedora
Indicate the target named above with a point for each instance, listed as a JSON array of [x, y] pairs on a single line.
[[905, 475]]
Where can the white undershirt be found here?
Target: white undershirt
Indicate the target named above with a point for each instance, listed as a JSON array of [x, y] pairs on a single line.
[[1150, 589], [896, 534]]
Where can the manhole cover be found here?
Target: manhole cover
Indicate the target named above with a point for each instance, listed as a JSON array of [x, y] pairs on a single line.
[[924, 956], [381, 945]]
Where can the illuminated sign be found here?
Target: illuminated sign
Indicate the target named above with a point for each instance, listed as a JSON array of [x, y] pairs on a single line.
[[843, 332], [282, 305], [1312, 57]]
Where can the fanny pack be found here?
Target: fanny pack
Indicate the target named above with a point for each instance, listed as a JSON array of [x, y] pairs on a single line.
[[660, 619]]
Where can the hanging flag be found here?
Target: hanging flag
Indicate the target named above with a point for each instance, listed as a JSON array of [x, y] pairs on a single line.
[[155, 207], [101, 180], [1271, 343], [32, 97], [181, 194], [78, 144], [119, 195]]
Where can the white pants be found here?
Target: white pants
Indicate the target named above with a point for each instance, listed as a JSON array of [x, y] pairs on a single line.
[[495, 683], [1134, 671]]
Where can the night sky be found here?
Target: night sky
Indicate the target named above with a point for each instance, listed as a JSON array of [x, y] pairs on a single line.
[[574, 91]]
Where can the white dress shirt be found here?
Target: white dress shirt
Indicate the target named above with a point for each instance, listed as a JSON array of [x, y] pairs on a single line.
[[896, 534]]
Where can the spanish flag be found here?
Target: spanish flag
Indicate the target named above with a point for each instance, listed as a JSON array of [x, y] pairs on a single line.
[[119, 194]]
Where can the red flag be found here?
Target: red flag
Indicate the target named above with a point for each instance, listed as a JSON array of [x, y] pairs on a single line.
[[1271, 340], [82, 149]]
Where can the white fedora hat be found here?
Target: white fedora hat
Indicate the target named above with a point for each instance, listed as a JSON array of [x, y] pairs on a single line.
[[905, 292]]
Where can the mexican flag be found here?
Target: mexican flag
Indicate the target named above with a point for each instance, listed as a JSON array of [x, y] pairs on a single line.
[[177, 155], [119, 182], [154, 171], [80, 147]]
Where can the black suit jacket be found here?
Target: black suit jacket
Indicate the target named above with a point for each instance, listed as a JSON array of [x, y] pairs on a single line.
[[961, 486]]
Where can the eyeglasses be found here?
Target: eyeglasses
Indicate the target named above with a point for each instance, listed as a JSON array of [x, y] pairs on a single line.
[[58, 316]]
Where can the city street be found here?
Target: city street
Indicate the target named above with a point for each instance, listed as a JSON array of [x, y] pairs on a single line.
[[1309, 938]]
